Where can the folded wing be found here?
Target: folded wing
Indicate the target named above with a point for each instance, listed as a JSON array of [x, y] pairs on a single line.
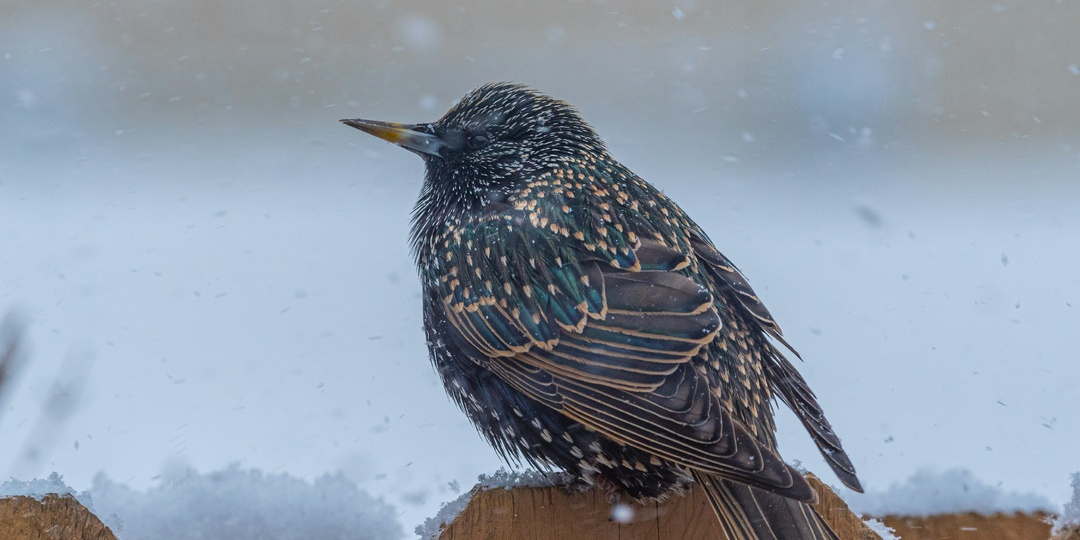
[[611, 339]]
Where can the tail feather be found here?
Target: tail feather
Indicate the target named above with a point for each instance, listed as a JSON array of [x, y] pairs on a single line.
[[748, 513]]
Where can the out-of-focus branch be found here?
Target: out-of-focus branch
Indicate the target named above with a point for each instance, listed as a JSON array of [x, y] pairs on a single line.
[[12, 350], [63, 399]]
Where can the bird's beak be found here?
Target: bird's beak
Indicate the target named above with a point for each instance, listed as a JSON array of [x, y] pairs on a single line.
[[413, 137]]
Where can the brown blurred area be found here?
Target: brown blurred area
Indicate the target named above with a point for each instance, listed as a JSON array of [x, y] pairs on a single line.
[[956, 70]]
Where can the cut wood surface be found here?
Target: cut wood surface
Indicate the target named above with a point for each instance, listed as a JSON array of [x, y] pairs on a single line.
[[54, 517], [542, 513]]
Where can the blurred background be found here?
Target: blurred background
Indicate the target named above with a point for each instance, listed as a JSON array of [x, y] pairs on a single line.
[[213, 271]]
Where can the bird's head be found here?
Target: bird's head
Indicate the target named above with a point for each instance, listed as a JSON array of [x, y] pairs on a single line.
[[496, 136]]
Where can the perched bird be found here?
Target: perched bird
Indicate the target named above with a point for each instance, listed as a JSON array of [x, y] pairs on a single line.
[[585, 323]]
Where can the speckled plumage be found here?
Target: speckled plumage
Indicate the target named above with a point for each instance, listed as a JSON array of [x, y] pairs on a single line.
[[585, 323]]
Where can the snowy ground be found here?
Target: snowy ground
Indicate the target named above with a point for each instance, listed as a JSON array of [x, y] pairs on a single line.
[[216, 301]]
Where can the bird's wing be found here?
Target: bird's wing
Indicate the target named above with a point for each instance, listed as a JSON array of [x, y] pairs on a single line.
[[605, 336], [785, 379], [732, 281]]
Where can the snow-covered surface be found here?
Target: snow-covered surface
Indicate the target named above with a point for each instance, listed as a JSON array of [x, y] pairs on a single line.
[[214, 270], [884, 531], [1070, 514], [231, 503], [505, 478], [240, 504], [929, 492], [432, 526], [39, 487], [245, 504]]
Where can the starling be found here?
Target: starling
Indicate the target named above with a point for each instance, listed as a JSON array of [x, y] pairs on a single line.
[[585, 323]]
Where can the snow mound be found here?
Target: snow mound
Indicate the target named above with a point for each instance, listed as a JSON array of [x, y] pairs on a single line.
[[884, 531], [432, 526], [505, 479], [1070, 517], [928, 492], [240, 504], [39, 487]]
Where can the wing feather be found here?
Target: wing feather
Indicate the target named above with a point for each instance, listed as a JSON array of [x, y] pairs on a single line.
[[796, 394], [784, 378], [608, 337]]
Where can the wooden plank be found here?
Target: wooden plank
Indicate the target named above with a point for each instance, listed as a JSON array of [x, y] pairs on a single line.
[[53, 517], [588, 508], [971, 526], [550, 513], [690, 516], [837, 514]]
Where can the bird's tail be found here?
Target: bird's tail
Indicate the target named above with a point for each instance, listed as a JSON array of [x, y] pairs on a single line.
[[748, 513]]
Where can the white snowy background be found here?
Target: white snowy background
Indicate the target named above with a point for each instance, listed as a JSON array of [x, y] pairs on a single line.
[[215, 277]]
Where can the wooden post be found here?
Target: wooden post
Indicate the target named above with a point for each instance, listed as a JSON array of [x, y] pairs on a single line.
[[550, 513], [54, 517]]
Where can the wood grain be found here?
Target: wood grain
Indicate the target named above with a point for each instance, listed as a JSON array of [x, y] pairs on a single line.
[[548, 513], [54, 517], [972, 526]]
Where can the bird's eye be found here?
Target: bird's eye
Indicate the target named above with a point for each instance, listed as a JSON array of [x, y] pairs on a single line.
[[477, 141]]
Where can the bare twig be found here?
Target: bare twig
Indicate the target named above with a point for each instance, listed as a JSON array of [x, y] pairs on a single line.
[[12, 350], [63, 399]]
